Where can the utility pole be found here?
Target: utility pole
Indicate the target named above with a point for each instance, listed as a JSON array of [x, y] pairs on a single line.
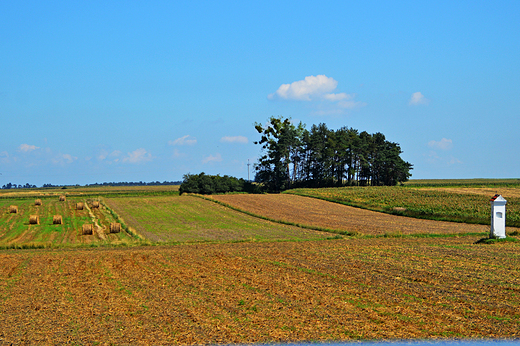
[[248, 164]]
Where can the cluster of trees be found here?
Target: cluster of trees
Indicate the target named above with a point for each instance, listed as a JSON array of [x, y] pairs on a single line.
[[296, 157], [209, 184], [14, 186]]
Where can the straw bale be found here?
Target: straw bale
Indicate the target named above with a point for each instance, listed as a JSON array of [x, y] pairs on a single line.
[[63, 198], [95, 204], [79, 206], [34, 220], [13, 209], [57, 220], [38, 202], [87, 228], [115, 227]]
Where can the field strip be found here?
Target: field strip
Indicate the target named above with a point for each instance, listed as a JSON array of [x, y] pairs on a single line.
[[99, 229], [285, 222], [192, 219], [314, 212]]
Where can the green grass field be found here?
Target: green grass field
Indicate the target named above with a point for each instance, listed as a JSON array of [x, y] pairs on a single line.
[[191, 219], [16, 231]]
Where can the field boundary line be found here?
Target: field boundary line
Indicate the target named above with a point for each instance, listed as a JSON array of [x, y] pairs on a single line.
[[392, 212], [132, 232], [288, 223], [99, 229], [345, 233]]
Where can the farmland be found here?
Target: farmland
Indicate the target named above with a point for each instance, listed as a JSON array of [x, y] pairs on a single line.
[[191, 219], [16, 231], [382, 288], [459, 204], [345, 219], [194, 271]]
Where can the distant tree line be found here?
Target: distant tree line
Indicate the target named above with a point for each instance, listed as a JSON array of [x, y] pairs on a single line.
[[209, 184], [14, 186], [296, 157], [139, 183]]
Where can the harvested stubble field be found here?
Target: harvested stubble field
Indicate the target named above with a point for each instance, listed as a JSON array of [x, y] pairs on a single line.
[[319, 213], [340, 289], [15, 230], [191, 219]]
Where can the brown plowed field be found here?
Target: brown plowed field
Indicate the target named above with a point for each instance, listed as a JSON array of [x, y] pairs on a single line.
[[319, 213], [339, 289]]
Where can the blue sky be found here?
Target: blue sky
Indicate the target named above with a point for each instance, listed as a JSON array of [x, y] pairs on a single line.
[[144, 91]]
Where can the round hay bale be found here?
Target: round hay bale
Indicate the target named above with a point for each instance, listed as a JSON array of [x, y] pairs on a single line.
[[95, 204], [13, 209], [87, 228], [38, 202], [63, 198], [79, 206], [115, 227], [57, 220], [34, 220]]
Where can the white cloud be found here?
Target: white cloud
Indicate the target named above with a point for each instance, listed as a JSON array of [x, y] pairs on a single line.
[[177, 154], [104, 154], [186, 140], [138, 156], [211, 158], [68, 158], [318, 89], [234, 139], [307, 89], [61, 159], [26, 147], [443, 144], [337, 97], [418, 99]]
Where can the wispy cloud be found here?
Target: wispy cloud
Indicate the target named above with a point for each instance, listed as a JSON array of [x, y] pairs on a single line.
[[27, 147], [234, 139], [211, 158], [62, 159], [138, 156], [177, 154], [105, 154], [418, 99], [186, 140], [443, 144], [4, 157]]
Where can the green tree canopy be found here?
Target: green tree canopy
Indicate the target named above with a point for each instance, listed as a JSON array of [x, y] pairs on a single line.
[[292, 156]]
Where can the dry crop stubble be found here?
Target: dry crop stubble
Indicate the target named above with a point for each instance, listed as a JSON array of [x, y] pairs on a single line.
[[319, 213], [261, 292]]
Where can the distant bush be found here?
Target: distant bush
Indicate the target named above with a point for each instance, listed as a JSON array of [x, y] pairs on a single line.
[[210, 184]]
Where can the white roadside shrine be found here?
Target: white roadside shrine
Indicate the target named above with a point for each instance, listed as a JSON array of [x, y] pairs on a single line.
[[498, 217]]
